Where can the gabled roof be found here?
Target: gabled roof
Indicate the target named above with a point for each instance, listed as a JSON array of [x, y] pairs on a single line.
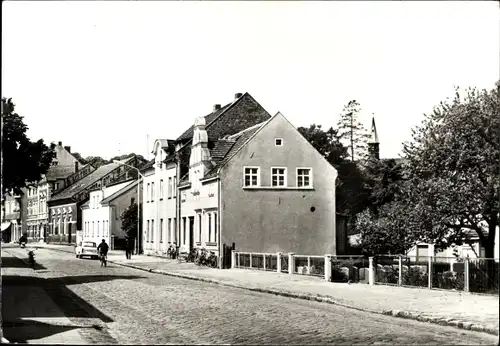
[[232, 144], [148, 165], [85, 182], [120, 192], [209, 119]]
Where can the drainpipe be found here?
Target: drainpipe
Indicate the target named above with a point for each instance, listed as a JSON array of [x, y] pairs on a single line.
[[219, 217], [177, 198]]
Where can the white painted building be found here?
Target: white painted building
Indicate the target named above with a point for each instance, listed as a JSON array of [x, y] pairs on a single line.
[[101, 213], [159, 200]]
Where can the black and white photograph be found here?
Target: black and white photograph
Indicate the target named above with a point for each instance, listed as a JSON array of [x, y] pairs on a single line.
[[250, 172]]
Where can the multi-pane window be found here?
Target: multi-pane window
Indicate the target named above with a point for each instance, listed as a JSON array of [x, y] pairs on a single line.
[[199, 227], [169, 188], [303, 177], [93, 229], [184, 230], [148, 192], [152, 192], [98, 229], [161, 189], [209, 227], [161, 230], [169, 230], [251, 176], [152, 230], [278, 176], [147, 231], [215, 227], [174, 232], [174, 187]]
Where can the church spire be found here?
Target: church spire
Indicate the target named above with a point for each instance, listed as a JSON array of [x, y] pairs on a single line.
[[374, 135], [373, 144]]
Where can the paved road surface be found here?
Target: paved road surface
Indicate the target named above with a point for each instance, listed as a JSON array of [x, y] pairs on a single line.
[[136, 307]]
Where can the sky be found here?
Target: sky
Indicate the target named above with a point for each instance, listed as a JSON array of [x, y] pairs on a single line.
[[103, 77]]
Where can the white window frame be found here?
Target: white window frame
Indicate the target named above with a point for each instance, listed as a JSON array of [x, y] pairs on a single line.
[[258, 176], [276, 144], [174, 187], [285, 182], [161, 189], [310, 177], [152, 192], [170, 188]]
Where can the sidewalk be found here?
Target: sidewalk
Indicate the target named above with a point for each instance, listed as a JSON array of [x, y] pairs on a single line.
[[462, 310], [29, 315]]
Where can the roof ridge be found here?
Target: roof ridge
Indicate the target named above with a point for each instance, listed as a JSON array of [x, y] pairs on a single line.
[[236, 135]]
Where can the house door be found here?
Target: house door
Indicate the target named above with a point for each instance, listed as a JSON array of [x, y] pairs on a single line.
[[191, 233], [69, 232]]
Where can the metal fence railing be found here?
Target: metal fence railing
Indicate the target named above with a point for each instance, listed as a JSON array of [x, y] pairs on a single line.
[[478, 275], [444, 277], [483, 275], [309, 265], [350, 269]]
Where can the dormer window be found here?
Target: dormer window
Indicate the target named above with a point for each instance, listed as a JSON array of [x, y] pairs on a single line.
[[278, 142]]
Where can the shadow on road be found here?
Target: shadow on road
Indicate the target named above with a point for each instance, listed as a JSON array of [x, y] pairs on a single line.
[[21, 331], [24, 299], [13, 262]]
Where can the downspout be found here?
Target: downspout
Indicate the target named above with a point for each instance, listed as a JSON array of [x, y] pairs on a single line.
[[219, 217], [177, 201]]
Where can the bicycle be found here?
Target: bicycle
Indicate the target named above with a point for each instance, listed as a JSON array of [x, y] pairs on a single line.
[[212, 260], [104, 260]]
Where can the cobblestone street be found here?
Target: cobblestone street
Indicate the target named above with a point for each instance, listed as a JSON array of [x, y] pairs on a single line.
[[127, 306]]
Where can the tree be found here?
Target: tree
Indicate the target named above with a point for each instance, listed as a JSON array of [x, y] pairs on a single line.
[[80, 158], [327, 143], [454, 166], [383, 233], [351, 191], [384, 178], [129, 221], [24, 161], [352, 131], [96, 161]]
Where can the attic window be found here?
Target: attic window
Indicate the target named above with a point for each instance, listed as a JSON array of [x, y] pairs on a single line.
[[278, 142]]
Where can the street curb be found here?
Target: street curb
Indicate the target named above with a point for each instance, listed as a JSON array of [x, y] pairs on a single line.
[[325, 299], [442, 321]]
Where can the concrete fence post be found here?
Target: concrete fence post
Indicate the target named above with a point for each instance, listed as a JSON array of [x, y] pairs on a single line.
[[233, 259], [308, 265], [371, 271], [278, 262], [264, 259], [250, 261], [429, 274], [466, 275], [400, 274], [291, 264], [328, 268]]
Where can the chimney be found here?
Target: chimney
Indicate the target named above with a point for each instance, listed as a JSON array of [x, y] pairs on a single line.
[[76, 166], [68, 149], [216, 107], [59, 143], [237, 95]]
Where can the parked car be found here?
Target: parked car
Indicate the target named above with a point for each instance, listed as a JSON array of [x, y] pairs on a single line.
[[87, 249]]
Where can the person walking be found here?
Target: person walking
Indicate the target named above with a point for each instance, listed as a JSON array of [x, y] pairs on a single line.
[[128, 248]]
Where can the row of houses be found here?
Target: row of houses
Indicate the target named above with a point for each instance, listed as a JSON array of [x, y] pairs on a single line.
[[238, 178], [50, 210]]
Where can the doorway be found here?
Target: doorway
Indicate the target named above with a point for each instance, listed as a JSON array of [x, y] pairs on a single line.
[[191, 233]]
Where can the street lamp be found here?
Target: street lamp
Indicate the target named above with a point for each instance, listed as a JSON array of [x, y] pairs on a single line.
[[139, 176]]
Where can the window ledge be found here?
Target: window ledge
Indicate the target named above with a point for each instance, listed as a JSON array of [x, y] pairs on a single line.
[[277, 188], [211, 243], [198, 243]]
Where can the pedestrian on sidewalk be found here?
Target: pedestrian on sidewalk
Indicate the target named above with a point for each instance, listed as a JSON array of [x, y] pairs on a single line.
[[128, 248]]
